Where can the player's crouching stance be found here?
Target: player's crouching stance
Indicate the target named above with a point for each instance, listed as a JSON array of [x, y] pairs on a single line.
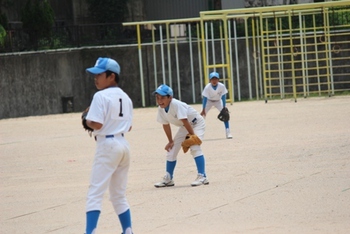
[[189, 121], [109, 118], [214, 94]]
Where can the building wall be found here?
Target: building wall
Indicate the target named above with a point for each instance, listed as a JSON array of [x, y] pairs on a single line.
[[174, 9], [229, 4]]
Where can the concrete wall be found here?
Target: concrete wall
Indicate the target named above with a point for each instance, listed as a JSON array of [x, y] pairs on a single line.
[[35, 83]]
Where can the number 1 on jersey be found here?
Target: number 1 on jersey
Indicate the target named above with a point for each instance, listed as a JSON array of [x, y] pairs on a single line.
[[121, 108]]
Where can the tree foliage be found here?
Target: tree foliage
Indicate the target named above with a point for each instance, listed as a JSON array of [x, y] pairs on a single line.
[[108, 11], [3, 17], [37, 19]]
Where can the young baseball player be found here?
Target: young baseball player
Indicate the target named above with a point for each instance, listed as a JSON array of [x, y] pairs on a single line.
[[110, 117], [189, 121], [214, 94]]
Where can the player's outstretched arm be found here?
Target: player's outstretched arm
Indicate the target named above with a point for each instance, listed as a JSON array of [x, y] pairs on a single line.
[[188, 126], [204, 104], [223, 98], [167, 130]]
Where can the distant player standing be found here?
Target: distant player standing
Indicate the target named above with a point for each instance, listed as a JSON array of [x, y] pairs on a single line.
[[189, 121], [214, 94], [109, 116]]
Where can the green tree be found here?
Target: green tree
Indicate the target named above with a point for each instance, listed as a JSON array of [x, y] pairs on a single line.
[[3, 17], [38, 20], [2, 35], [108, 11]]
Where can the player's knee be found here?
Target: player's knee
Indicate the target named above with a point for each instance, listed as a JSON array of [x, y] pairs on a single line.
[[196, 151]]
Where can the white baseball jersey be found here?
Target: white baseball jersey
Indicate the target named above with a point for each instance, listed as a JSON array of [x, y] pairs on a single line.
[[111, 107], [214, 94], [179, 110]]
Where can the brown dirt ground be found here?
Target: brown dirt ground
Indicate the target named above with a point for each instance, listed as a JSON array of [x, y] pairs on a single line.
[[286, 170]]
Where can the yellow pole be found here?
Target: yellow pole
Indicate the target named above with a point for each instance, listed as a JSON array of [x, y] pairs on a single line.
[[262, 33], [141, 67], [204, 54], [292, 54], [228, 58], [327, 41]]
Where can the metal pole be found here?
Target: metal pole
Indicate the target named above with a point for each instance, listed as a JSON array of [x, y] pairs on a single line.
[[162, 53], [141, 67], [200, 59], [255, 58], [248, 58], [222, 51], [302, 52], [169, 53], [237, 61], [212, 43], [154, 59], [191, 62], [177, 65], [232, 94], [316, 54]]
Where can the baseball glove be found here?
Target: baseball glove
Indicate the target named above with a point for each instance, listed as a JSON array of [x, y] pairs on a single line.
[[189, 141], [83, 120], [224, 115]]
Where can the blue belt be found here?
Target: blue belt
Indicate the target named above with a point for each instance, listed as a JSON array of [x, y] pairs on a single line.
[[110, 136]]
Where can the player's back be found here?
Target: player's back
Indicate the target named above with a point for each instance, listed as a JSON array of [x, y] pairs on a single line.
[[116, 107]]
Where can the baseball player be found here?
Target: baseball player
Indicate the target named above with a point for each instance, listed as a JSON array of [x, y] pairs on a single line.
[[110, 117], [189, 121], [214, 94]]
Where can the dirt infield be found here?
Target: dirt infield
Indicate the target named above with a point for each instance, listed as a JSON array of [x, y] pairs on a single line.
[[286, 170]]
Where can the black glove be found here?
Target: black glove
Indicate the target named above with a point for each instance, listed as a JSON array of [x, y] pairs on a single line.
[[224, 115]]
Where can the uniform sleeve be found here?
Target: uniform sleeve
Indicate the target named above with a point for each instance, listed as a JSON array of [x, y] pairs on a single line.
[[223, 88], [205, 91], [161, 117], [182, 111], [96, 111], [204, 102], [223, 98]]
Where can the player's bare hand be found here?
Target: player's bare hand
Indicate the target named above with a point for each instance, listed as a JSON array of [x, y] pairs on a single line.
[[169, 146], [203, 113]]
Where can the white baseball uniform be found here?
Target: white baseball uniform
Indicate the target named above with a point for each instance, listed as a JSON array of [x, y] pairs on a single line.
[[179, 110], [214, 96], [113, 108]]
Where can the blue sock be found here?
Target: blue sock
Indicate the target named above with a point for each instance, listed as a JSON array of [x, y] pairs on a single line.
[[91, 220], [170, 166], [226, 125], [125, 220], [200, 163]]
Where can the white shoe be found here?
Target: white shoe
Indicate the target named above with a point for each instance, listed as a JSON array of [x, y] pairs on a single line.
[[228, 134], [166, 182], [201, 179]]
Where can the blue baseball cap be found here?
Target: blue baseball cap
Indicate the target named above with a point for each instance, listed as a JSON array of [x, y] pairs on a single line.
[[214, 75], [104, 64], [164, 90]]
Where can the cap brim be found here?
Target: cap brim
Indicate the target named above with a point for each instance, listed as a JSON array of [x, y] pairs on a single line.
[[160, 93], [95, 70]]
